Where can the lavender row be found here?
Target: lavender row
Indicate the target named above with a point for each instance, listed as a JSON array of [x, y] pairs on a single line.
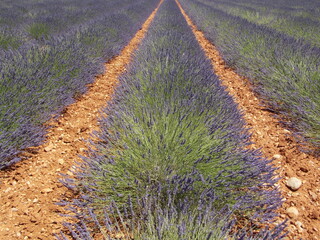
[[38, 81], [295, 8], [294, 18], [23, 22], [172, 141], [284, 71]]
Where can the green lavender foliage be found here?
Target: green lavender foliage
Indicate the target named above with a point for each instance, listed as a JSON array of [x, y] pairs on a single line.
[[39, 30], [8, 40], [166, 215], [170, 117]]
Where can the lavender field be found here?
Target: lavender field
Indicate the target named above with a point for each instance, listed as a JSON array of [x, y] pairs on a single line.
[[52, 59], [172, 162], [279, 53], [173, 158]]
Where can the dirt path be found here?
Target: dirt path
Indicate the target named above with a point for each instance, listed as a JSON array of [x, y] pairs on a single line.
[[277, 143], [30, 189]]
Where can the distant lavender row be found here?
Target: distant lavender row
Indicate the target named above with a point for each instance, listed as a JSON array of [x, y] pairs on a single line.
[[285, 71], [172, 137], [24, 21], [290, 8], [297, 19], [37, 81]]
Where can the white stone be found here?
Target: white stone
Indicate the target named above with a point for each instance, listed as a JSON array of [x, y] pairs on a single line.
[[292, 212], [47, 190], [299, 226], [277, 156], [294, 183], [49, 148], [61, 161]]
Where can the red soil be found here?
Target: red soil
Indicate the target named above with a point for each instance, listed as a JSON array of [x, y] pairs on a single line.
[[30, 188], [275, 143]]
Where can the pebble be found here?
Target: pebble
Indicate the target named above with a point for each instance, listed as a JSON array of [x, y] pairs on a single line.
[[277, 156], [303, 169], [67, 141], [294, 183], [314, 196], [299, 226], [70, 173], [82, 149], [315, 215], [61, 161], [295, 194], [48, 148], [292, 212], [47, 190]]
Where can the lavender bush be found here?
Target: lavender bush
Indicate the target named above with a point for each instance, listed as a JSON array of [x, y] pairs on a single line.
[[172, 128], [39, 79], [285, 71], [166, 215]]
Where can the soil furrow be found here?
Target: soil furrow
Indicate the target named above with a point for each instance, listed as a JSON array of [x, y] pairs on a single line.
[[30, 189], [275, 143]]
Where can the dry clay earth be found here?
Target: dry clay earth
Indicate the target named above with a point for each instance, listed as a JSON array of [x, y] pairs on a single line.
[[30, 189]]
